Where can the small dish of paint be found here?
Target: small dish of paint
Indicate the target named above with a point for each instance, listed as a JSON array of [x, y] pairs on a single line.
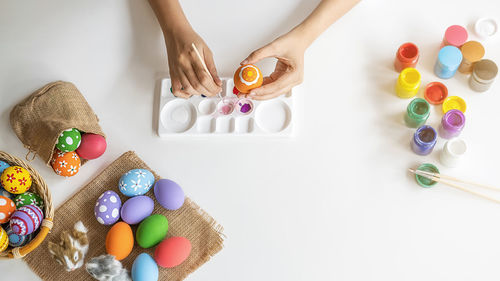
[[423, 181], [486, 27], [244, 106], [435, 93], [225, 107], [454, 102]]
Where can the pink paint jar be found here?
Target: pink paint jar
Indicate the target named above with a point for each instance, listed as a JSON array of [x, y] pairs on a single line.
[[406, 56], [455, 35]]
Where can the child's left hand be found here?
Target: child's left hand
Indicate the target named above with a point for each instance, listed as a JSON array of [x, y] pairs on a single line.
[[289, 69]]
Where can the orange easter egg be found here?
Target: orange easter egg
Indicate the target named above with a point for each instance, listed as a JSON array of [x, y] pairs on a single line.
[[66, 164], [247, 77], [7, 208], [120, 240]]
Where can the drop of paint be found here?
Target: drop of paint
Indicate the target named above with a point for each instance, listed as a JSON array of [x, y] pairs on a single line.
[[245, 108]]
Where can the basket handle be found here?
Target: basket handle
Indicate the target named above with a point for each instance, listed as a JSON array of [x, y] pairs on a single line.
[[18, 253]]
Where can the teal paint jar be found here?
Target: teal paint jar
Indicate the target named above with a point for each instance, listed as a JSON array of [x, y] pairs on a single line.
[[417, 113]]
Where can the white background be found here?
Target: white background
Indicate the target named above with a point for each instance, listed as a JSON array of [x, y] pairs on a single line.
[[333, 203]]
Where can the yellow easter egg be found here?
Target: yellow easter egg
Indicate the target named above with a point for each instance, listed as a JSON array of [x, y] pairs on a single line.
[[16, 180], [4, 240]]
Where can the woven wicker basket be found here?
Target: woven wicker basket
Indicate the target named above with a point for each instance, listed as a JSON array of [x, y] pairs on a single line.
[[39, 186]]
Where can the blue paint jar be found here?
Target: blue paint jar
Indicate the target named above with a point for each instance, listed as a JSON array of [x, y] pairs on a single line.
[[448, 61], [424, 140]]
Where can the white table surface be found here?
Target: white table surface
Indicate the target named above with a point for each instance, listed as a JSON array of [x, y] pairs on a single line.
[[333, 203]]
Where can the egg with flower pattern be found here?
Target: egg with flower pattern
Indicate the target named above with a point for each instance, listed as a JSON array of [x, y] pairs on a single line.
[[16, 180], [136, 182], [66, 164], [28, 198]]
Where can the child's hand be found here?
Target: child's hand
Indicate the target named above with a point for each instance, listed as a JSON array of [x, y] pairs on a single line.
[[187, 73], [289, 69]]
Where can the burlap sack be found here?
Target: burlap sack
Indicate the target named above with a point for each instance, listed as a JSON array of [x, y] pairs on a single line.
[[189, 221], [40, 118]]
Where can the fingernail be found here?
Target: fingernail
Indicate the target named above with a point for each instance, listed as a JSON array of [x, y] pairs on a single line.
[[252, 94]]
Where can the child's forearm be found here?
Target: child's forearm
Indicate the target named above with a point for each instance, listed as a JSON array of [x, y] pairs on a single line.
[[170, 15], [327, 12]]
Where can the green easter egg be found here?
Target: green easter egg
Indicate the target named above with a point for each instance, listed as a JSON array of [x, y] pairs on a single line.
[[28, 198], [69, 140], [152, 231]]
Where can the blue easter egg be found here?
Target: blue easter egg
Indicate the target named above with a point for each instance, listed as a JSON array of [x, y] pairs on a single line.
[[3, 166], [144, 268], [136, 182], [16, 240]]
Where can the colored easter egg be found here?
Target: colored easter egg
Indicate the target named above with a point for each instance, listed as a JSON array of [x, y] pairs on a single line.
[[136, 209], [92, 146], [144, 268], [7, 208], [136, 182], [16, 240], [66, 164], [3, 166], [107, 208], [172, 251], [152, 231], [26, 220], [5, 193], [247, 77], [169, 194], [69, 140], [16, 180], [4, 240], [120, 240], [29, 198]]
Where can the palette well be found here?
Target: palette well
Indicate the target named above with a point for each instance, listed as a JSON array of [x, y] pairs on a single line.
[[226, 115]]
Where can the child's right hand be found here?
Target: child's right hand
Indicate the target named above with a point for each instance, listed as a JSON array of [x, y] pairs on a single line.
[[187, 73]]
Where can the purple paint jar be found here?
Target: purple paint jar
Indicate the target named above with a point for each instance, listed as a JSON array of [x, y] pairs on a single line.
[[452, 124], [424, 140]]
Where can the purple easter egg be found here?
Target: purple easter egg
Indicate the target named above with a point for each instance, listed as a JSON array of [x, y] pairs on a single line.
[[169, 194], [26, 220], [135, 209], [107, 208]]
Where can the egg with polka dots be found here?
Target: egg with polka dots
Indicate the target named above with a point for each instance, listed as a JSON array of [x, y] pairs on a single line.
[[7, 208], [107, 208], [69, 140]]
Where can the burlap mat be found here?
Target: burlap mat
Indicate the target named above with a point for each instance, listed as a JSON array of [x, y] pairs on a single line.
[[40, 118], [189, 221]]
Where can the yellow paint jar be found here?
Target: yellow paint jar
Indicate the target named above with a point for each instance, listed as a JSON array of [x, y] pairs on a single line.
[[408, 83]]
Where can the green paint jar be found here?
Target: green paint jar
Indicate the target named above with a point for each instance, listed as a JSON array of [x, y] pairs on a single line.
[[417, 113]]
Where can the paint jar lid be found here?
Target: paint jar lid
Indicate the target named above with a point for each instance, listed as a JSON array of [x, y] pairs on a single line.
[[450, 57], [456, 35], [454, 102], [423, 181], [435, 92], [472, 51], [485, 27], [485, 71]]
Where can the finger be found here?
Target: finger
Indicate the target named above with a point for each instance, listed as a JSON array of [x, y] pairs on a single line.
[[205, 79], [194, 82], [273, 95], [257, 55], [276, 86], [209, 61], [177, 89], [188, 89]]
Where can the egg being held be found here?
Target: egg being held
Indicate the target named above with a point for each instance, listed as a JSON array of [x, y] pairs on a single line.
[[16, 180], [7, 208], [26, 220], [172, 252], [169, 194], [247, 77], [120, 240], [152, 231], [66, 164], [144, 268], [92, 146], [136, 209], [107, 208], [69, 140], [4, 240], [136, 182]]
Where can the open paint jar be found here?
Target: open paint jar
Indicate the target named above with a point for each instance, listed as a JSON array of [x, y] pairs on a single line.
[[424, 140], [453, 152], [244, 106], [406, 56], [417, 113], [452, 124], [408, 83]]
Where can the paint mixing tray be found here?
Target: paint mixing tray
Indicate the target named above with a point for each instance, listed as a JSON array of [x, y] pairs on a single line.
[[226, 116]]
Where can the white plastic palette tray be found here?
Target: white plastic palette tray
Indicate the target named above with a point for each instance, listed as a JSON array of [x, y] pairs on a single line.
[[204, 116]]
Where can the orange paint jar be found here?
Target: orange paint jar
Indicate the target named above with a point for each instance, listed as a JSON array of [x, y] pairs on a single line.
[[406, 56]]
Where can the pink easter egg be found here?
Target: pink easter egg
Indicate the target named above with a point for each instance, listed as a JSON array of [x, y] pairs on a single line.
[[92, 146]]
